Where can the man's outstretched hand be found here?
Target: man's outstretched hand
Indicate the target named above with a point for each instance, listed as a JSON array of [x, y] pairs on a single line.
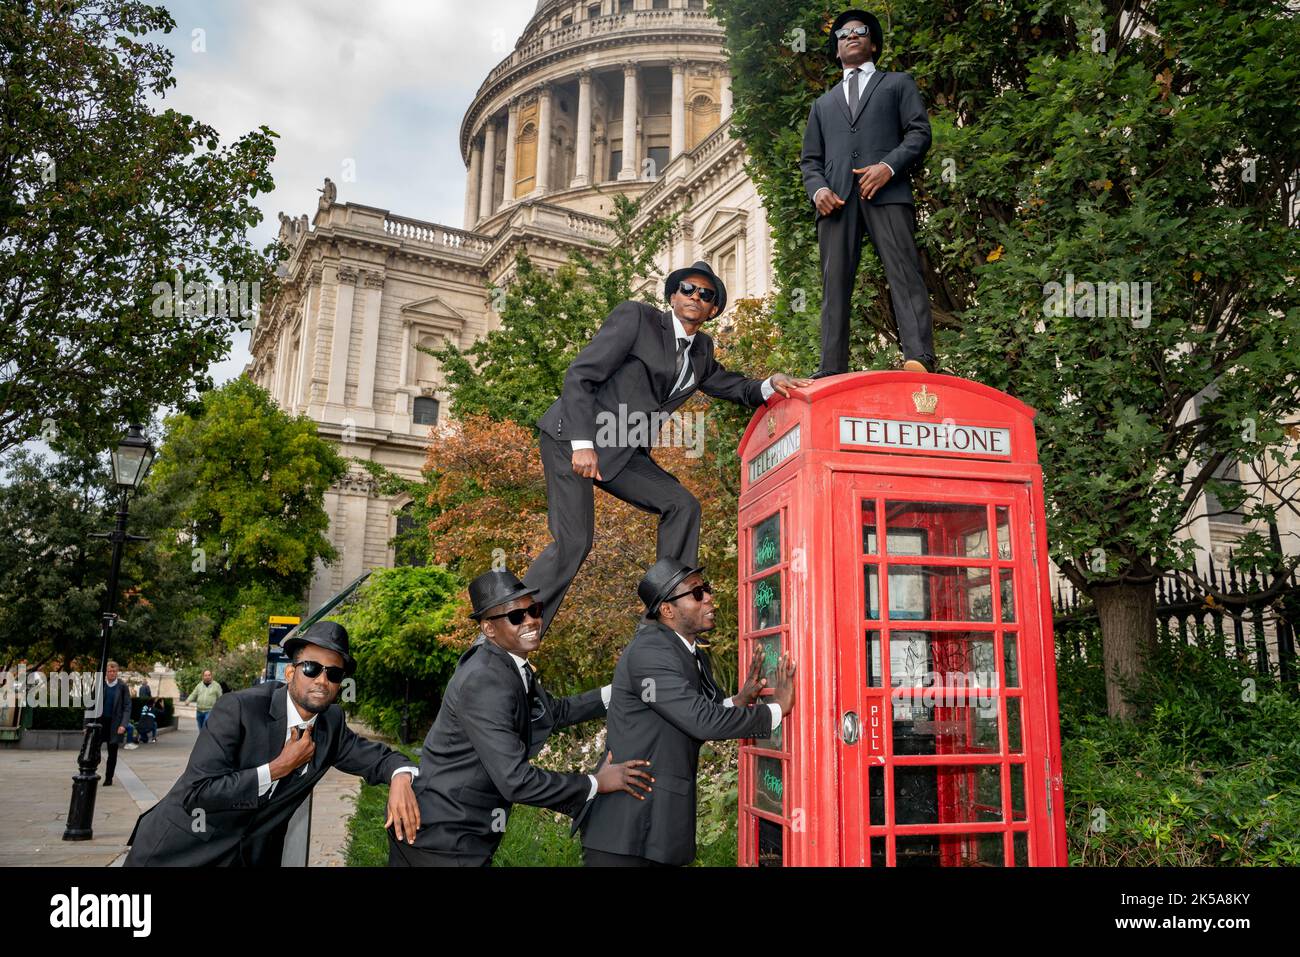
[[783, 383], [754, 682], [623, 777], [872, 178]]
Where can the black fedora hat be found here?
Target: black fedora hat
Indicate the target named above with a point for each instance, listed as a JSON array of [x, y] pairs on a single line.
[[324, 634], [703, 269], [659, 582], [873, 29], [495, 588]]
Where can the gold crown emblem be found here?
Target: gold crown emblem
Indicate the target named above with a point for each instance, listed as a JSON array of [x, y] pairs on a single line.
[[771, 425], [925, 401]]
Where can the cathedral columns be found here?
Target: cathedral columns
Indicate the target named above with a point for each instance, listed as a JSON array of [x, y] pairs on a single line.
[[629, 168], [542, 182], [374, 290], [489, 169], [582, 165], [677, 142], [724, 95], [473, 186], [341, 343], [512, 138]]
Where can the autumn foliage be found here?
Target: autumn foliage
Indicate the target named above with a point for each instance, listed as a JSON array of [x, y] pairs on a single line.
[[488, 492]]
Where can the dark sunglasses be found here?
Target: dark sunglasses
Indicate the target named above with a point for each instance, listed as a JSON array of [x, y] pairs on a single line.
[[516, 615], [845, 32], [698, 592], [313, 668], [688, 288]]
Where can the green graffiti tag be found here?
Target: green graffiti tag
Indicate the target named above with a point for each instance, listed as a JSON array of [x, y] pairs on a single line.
[[772, 783]]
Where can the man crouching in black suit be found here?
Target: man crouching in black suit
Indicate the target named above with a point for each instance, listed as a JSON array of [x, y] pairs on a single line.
[[258, 758], [665, 705], [496, 715]]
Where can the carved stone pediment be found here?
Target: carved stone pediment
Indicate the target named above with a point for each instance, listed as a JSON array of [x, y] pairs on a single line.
[[433, 313], [723, 222]]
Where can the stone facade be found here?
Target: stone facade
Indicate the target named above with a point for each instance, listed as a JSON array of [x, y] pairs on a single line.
[[543, 146]]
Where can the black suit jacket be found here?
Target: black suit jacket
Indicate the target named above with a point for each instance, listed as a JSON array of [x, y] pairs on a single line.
[[658, 712], [890, 126], [121, 713], [474, 766], [245, 730], [629, 364]]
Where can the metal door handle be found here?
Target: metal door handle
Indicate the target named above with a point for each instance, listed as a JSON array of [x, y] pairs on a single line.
[[850, 727]]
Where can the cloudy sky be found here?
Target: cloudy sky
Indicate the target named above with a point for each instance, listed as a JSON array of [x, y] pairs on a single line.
[[381, 85]]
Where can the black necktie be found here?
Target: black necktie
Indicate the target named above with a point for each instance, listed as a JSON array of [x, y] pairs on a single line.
[[709, 689], [682, 346], [853, 90], [527, 672]]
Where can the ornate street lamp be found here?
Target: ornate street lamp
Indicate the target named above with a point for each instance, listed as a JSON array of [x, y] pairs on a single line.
[[131, 461]]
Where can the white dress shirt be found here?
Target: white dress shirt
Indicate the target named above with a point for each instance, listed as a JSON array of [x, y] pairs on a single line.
[[521, 664], [293, 718], [727, 702], [868, 70], [686, 376]]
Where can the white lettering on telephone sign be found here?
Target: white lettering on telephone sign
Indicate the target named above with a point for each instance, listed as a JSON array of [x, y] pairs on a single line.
[[925, 436]]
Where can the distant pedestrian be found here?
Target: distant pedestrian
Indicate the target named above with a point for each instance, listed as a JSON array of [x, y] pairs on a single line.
[[204, 696], [113, 717], [148, 723], [145, 691]]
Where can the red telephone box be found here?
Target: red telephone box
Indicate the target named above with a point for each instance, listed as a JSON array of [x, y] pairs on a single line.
[[892, 539]]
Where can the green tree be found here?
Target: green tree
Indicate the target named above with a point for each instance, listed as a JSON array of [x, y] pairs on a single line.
[[1076, 150], [248, 482], [53, 573], [517, 370], [104, 203], [396, 622]]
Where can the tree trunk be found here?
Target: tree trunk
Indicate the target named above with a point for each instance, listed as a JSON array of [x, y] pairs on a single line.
[[1127, 613]]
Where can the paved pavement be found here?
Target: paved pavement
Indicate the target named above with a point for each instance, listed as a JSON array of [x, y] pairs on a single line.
[[36, 787]]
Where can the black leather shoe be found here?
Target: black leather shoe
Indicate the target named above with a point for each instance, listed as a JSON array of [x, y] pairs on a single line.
[[821, 374]]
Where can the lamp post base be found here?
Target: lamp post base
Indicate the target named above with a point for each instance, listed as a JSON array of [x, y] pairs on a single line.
[[85, 785]]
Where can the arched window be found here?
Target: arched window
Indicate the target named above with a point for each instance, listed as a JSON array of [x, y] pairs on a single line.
[[425, 411]]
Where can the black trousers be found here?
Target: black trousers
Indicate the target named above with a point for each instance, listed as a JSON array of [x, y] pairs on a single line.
[[401, 854], [106, 737], [892, 229], [594, 858], [571, 517]]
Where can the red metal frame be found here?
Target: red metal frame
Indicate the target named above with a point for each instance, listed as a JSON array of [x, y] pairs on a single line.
[[812, 792]]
